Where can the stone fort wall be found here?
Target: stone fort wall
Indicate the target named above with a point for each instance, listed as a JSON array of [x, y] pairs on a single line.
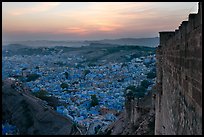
[[178, 104]]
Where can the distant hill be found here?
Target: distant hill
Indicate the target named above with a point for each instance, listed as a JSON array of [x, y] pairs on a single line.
[[19, 49], [48, 43], [95, 52], [148, 42]]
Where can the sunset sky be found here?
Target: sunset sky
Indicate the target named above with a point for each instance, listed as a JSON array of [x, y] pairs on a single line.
[[91, 20]]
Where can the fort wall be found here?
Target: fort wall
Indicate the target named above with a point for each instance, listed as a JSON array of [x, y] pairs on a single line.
[[178, 104]]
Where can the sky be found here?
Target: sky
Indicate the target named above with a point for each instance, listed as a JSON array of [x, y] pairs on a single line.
[[91, 20]]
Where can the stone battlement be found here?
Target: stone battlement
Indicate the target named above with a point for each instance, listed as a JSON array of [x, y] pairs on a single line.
[[179, 72]]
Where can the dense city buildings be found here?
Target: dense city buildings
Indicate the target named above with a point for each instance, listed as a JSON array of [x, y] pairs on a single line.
[[75, 83]]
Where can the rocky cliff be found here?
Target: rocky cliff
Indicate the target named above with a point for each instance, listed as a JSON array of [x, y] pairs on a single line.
[[137, 119], [30, 114]]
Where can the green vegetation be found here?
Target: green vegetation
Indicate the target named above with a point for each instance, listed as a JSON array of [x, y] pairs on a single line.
[[139, 91], [145, 83], [24, 50], [130, 91], [86, 72], [130, 47], [41, 94], [151, 75], [131, 87], [32, 77], [135, 91], [37, 67], [24, 69], [114, 48], [66, 75], [94, 100], [64, 85]]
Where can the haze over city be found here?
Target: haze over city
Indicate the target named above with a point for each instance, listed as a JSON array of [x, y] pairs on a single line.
[[90, 20]]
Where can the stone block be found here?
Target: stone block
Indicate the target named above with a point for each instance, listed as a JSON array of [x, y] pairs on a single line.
[[185, 85], [197, 53], [200, 66], [197, 84], [197, 96], [186, 63]]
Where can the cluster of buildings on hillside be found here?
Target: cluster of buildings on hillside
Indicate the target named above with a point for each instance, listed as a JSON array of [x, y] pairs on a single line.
[[107, 82]]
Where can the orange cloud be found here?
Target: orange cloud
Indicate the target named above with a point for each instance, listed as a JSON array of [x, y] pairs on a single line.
[[107, 29], [92, 19], [71, 30]]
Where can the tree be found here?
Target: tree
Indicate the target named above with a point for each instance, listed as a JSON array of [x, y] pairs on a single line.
[[86, 72], [37, 67], [32, 77], [131, 87], [145, 83], [132, 91], [66, 75], [152, 73], [41, 94], [129, 94], [64, 85], [140, 91], [24, 69], [94, 100]]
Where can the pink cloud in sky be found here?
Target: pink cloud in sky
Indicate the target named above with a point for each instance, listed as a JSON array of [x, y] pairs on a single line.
[[91, 19], [41, 7]]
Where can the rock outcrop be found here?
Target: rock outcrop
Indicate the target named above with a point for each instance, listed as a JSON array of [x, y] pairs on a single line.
[[137, 119], [31, 115]]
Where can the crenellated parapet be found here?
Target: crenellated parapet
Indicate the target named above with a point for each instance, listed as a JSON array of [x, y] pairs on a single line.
[[179, 79]]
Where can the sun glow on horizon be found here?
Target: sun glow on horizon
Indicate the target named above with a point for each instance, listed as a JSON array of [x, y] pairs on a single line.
[[91, 20]]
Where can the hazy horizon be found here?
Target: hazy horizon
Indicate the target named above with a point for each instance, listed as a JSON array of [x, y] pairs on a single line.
[[79, 21], [80, 40]]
